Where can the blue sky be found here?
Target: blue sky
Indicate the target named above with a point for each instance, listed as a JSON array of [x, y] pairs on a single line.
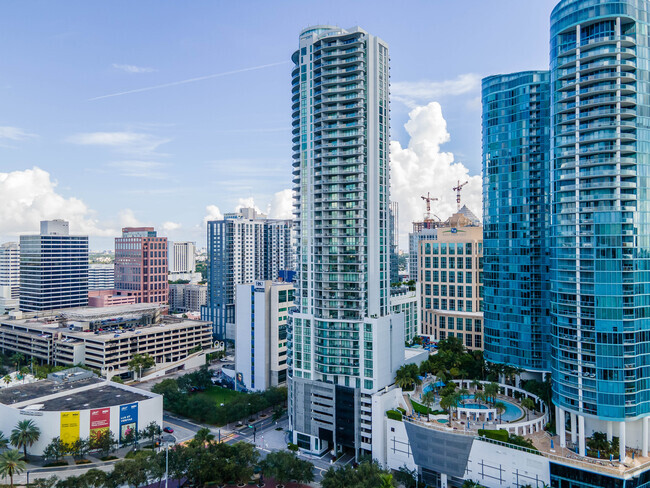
[[173, 155]]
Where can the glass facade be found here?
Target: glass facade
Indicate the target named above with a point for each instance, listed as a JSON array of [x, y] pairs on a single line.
[[600, 297], [516, 138]]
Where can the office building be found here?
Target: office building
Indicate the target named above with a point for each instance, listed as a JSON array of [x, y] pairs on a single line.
[[421, 230], [181, 257], [101, 276], [600, 219], [10, 268], [53, 268], [516, 153], [451, 281], [141, 265], [243, 247], [187, 297], [345, 345], [261, 313]]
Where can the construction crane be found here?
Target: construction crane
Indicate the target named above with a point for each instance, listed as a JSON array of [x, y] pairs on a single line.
[[457, 189], [428, 199]]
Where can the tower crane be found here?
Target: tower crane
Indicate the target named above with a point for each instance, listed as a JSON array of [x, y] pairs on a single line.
[[428, 199], [457, 189]]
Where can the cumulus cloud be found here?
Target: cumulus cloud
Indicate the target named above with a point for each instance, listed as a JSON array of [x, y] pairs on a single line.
[[30, 196], [213, 213], [413, 94], [247, 203], [127, 218], [125, 142], [131, 68], [170, 226], [422, 167], [282, 205]]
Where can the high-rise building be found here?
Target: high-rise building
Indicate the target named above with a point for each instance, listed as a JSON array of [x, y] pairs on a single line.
[[141, 265], [243, 247], [187, 297], [53, 268], [406, 300], [600, 287], [516, 153], [344, 344], [394, 241], [101, 276], [261, 313], [10, 268], [182, 257], [451, 280]]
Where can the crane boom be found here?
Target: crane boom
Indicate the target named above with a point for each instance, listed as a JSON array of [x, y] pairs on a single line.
[[457, 189], [428, 199]]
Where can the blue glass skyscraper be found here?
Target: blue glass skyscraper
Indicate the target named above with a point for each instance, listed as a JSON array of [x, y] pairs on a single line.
[[516, 138], [600, 297]]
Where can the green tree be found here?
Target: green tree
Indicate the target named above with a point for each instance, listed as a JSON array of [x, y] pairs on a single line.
[[500, 408], [55, 450], [386, 481], [491, 392], [279, 465], [529, 405], [406, 477], [11, 462], [80, 447], [16, 359], [244, 457], [4, 442], [132, 471], [151, 431], [428, 399], [473, 484], [104, 442], [141, 362], [24, 435], [6, 379], [45, 482], [203, 436]]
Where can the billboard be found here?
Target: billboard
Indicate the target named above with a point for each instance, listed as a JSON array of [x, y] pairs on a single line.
[[128, 419], [69, 427], [100, 421]]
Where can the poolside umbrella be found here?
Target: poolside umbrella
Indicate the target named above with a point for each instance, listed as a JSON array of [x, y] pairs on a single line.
[[439, 384]]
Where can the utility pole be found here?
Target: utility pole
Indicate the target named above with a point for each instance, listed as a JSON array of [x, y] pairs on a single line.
[[166, 464]]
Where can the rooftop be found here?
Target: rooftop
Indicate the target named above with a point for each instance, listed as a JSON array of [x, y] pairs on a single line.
[[40, 389]]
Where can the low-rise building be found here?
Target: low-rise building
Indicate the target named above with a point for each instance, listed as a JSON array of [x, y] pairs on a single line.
[[75, 404], [103, 338], [108, 298], [187, 297], [261, 312]]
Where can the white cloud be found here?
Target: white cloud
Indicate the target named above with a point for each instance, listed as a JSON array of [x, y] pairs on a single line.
[[139, 169], [213, 213], [417, 93], [125, 142], [421, 167], [247, 203], [282, 205], [131, 68], [127, 218], [30, 196], [13, 134], [170, 226]]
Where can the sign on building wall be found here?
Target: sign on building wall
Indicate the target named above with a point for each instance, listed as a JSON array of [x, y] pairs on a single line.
[[100, 421], [69, 427], [128, 419]]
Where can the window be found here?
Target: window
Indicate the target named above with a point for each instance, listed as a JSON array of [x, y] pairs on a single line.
[[468, 340]]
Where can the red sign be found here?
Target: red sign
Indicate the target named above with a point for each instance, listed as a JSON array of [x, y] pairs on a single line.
[[100, 420]]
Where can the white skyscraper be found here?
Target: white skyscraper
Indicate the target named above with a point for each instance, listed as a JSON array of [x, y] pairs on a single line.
[[181, 257], [344, 344], [10, 268]]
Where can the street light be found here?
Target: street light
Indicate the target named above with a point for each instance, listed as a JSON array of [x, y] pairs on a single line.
[[166, 464]]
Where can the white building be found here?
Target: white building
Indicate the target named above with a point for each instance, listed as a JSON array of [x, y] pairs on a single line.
[[10, 268], [345, 344], [101, 276], [182, 257], [407, 302], [186, 297], [75, 404], [261, 312]]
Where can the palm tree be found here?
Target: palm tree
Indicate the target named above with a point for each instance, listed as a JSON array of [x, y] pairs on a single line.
[[25, 434], [500, 408], [11, 463], [7, 379], [529, 405], [480, 397], [386, 481], [428, 399], [4, 442], [476, 384], [449, 402], [492, 390], [203, 436]]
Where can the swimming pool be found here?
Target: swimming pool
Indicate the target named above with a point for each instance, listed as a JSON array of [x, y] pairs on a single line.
[[511, 413]]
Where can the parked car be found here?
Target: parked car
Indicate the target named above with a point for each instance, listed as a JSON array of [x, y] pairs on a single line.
[[169, 430]]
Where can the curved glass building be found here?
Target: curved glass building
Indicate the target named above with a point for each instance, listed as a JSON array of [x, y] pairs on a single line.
[[516, 138], [600, 298]]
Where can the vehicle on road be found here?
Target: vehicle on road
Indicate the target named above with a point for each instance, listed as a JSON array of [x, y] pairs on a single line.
[[169, 430]]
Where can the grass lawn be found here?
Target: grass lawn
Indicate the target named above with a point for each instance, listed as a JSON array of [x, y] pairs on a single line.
[[220, 395]]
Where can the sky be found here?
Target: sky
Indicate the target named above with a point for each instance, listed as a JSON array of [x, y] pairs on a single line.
[[168, 114]]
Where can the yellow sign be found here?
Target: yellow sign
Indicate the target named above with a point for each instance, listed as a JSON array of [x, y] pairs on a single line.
[[69, 427]]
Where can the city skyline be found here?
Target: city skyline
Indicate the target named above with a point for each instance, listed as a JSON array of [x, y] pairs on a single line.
[[147, 146]]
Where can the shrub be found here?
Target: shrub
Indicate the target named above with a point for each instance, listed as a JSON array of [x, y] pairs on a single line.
[[394, 415], [292, 447], [56, 463], [497, 435]]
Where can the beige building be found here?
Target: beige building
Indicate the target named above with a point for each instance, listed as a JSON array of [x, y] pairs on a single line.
[[103, 338], [450, 265]]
